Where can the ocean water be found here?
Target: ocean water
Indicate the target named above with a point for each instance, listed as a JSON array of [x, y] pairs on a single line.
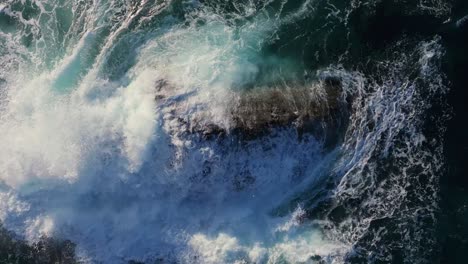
[[250, 131]]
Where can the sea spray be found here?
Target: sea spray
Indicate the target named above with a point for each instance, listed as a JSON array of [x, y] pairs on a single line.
[[219, 132]]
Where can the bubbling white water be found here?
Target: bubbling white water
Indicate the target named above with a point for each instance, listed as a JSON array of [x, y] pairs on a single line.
[[99, 162], [88, 154]]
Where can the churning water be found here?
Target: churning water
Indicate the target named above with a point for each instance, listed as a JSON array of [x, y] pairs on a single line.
[[183, 131]]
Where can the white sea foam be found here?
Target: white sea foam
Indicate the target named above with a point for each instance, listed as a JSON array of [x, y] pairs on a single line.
[[462, 21], [97, 160], [101, 163]]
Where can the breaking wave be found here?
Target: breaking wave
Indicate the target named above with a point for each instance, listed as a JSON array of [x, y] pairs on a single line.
[[219, 131]]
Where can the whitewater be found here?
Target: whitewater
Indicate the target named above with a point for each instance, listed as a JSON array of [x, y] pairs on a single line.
[[199, 132]]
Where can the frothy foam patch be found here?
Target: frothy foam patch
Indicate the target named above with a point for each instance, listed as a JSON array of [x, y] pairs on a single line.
[[290, 249], [50, 135]]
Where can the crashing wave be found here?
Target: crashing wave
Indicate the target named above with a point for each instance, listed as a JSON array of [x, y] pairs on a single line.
[[218, 131]]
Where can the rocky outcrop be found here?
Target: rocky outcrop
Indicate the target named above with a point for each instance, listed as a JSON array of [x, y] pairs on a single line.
[[44, 251], [255, 111], [301, 106]]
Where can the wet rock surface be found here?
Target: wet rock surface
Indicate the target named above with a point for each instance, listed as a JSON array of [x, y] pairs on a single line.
[[319, 108]]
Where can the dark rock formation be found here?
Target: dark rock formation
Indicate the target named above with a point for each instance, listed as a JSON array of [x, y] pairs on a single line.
[[311, 108], [45, 251], [302, 106]]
